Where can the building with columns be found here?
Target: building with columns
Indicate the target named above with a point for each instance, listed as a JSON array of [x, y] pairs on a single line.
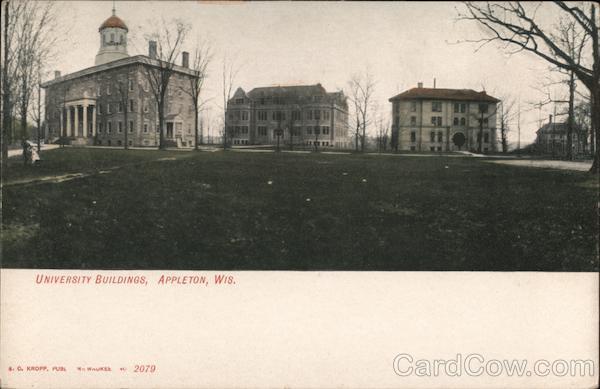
[[444, 120], [113, 101], [305, 115]]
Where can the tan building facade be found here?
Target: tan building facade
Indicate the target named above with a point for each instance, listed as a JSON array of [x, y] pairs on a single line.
[[113, 100], [304, 115], [552, 138], [444, 120]]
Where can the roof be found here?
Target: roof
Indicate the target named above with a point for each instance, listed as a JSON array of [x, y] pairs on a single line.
[[287, 91], [137, 59], [557, 128], [113, 21], [444, 94]]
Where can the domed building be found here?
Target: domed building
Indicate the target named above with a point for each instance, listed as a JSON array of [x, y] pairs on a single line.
[[113, 40], [112, 103]]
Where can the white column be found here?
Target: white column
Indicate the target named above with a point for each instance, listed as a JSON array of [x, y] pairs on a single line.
[[85, 127], [76, 122], [94, 120], [68, 108]]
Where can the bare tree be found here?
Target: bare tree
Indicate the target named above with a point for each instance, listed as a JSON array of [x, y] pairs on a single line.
[[383, 130], [507, 115], [517, 26], [201, 58], [362, 88], [230, 71], [168, 40]]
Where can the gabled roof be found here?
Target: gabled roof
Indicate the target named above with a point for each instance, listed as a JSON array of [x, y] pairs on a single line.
[[444, 94], [556, 128], [239, 93], [287, 91]]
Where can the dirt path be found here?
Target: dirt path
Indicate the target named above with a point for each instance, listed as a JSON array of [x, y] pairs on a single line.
[[547, 164]]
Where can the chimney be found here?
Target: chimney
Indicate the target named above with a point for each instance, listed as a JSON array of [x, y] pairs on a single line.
[[434, 83], [550, 118], [152, 49], [185, 59], [57, 74], [420, 85]]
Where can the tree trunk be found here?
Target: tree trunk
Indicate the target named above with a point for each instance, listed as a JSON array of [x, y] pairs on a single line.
[[196, 125], [6, 104], [571, 117]]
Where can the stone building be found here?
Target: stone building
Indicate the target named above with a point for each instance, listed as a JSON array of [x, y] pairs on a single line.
[[435, 119], [304, 115], [102, 104], [551, 138]]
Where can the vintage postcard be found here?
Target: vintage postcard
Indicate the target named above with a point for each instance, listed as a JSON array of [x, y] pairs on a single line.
[[202, 194]]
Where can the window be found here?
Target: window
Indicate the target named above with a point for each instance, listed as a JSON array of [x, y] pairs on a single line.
[[486, 137], [145, 107], [100, 127], [99, 91], [262, 131], [460, 107], [237, 115], [412, 148], [432, 148], [485, 121], [436, 106], [308, 130], [436, 121], [99, 109], [440, 136], [309, 115], [107, 107], [413, 136], [130, 143], [108, 89], [317, 130], [413, 106], [295, 115], [130, 84], [317, 115], [189, 130], [326, 115], [120, 127], [109, 128], [131, 106], [463, 121], [131, 126], [262, 115], [413, 120], [239, 101], [244, 115], [112, 37], [244, 129], [145, 127], [483, 108], [439, 149], [120, 107], [119, 143], [179, 127], [325, 130], [432, 137]]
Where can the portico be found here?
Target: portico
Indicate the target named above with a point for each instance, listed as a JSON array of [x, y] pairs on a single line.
[[80, 118]]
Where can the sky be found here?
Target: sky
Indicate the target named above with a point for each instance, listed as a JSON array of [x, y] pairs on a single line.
[[286, 43]]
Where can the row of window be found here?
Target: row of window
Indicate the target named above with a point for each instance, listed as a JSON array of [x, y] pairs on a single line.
[[440, 136], [436, 106], [432, 148], [131, 107], [262, 115], [437, 121], [147, 127], [296, 131], [276, 100], [145, 86]]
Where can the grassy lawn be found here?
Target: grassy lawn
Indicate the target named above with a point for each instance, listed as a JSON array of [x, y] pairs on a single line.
[[174, 210]]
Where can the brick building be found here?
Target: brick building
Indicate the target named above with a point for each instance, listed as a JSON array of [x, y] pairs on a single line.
[[435, 119], [100, 104], [305, 115]]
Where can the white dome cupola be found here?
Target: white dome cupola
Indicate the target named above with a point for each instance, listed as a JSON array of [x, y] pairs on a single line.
[[113, 40]]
